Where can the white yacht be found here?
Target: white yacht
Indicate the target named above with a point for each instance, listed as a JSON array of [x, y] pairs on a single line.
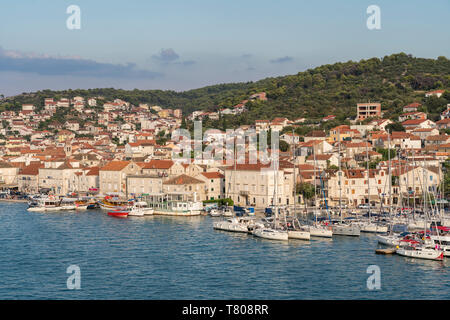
[[140, 209], [297, 231], [373, 227], [344, 228], [45, 204], [271, 234], [318, 230], [421, 252], [183, 204], [233, 224]]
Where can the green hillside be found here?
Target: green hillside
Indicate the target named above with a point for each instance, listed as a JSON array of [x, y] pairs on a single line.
[[394, 80]]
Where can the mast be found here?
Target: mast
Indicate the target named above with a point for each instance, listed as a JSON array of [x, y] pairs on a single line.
[[315, 180], [424, 198], [390, 173], [340, 174], [414, 186], [368, 175], [295, 181]]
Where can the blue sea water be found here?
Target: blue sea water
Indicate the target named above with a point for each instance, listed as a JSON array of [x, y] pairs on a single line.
[[184, 258]]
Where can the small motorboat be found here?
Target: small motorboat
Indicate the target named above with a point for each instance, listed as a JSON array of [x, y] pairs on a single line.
[[215, 213], [118, 213], [92, 206]]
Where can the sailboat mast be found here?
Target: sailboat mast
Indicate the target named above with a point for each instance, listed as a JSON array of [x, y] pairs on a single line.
[[390, 173], [340, 174], [368, 175], [414, 186], [295, 181]]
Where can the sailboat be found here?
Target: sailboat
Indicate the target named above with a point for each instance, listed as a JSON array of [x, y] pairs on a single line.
[[294, 229], [340, 227], [390, 239], [273, 231], [423, 250], [369, 225]]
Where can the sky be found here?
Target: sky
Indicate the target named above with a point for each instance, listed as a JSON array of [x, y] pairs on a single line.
[[181, 45]]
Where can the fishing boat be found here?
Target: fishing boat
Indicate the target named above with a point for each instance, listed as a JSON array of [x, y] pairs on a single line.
[[118, 213], [183, 204], [140, 208]]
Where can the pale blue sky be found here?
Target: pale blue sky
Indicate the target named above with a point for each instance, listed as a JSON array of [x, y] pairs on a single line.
[[179, 44]]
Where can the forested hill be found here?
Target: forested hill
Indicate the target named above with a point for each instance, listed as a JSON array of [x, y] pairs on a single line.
[[394, 80]]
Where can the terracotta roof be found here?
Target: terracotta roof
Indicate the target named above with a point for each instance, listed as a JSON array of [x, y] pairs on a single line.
[[94, 171], [158, 164], [115, 166], [213, 175], [183, 179]]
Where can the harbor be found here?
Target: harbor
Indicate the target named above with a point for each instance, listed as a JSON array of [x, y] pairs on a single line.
[[185, 258]]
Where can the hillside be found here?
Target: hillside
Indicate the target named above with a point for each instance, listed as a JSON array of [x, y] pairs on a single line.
[[394, 80]]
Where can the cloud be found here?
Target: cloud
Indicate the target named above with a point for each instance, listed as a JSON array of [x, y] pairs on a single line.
[[166, 56], [282, 60], [16, 61], [186, 63]]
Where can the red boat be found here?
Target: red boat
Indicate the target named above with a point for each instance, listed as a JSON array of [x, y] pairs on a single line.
[[118, 213]]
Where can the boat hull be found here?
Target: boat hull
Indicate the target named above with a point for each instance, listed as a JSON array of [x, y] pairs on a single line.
[[373, 228], [300, 235], [271, 234], [346, 230], [228, 226], [178, 213], [427, 254], [320, 232], [118, 214]]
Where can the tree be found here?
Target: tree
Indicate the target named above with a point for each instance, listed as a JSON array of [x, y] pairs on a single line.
[[306, 189], [396, 126], [385, 153], [284, 146]]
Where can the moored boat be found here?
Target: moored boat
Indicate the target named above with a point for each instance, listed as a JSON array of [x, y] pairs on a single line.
[[113, 203], [118, 213], [233, 225], [421, 252], [271, 234], [45, 204], [140, 208]]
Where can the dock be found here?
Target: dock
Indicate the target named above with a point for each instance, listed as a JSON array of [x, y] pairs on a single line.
[[386, 251]]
